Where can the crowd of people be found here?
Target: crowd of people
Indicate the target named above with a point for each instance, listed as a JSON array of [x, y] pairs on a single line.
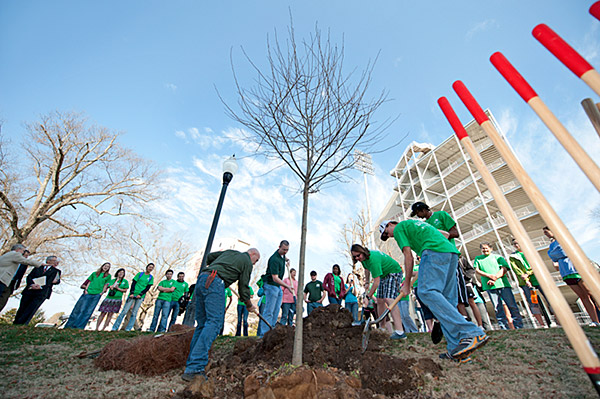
[[435, 282]]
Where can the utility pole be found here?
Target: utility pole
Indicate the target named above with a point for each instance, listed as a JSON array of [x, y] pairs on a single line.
[[364, 163]]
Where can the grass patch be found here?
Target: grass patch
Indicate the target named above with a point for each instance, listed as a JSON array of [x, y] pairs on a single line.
[[41, 363]]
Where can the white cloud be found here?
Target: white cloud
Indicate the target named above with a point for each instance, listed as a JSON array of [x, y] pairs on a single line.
[[588, 48], [481, 27], [170, 86], [556, 174]]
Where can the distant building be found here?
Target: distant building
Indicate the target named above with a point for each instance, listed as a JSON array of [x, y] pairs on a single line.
[[445, 178]]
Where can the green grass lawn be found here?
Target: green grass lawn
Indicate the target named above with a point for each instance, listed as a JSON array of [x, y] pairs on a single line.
[[41, 363]]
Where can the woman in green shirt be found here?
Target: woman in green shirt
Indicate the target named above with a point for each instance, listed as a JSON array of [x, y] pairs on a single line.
[[387, 274], [93, 288], [113, 301]]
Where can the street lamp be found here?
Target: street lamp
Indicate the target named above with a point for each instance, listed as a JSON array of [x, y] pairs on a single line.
[[230, 166], [364, 163]]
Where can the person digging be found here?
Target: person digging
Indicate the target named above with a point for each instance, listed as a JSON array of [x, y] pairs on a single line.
[[224, 268], [437, 282]]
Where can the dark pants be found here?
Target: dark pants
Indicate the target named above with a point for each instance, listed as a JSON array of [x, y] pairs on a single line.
[[242, 312], [5, 293], [30, 303]]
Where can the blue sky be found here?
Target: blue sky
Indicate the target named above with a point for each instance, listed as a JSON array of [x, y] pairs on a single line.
[[149, 69]]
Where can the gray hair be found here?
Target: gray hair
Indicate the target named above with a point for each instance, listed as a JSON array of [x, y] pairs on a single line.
[[51, 258], [17, 246]]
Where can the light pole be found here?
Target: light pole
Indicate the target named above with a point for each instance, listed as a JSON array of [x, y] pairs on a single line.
[[230, 166], [364, 163]]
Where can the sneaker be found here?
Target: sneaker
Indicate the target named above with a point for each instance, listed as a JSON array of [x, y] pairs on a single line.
[[190, 376], [436, 332], [448, 356], [468, 346], [395, 335]]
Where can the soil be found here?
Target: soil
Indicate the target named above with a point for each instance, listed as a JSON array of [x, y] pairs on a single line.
[[260, 368]]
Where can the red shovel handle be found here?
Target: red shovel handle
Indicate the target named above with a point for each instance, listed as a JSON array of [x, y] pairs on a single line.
[[472, 105], [595, 9], [513, 76], [452, 118], [561, 49]]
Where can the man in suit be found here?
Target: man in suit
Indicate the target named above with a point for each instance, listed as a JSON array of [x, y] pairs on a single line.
[[14, 283], [9, 263], [35, 294]]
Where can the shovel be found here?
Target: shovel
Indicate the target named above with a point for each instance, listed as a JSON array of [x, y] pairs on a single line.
[[367, 330], [257, 313]]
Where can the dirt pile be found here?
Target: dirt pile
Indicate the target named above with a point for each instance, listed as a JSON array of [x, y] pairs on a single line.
[[147, 355], [332, 347]]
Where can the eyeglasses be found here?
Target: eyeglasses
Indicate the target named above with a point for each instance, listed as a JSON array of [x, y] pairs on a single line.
[[355, 257]]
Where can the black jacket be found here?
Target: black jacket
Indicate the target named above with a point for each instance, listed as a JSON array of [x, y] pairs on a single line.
[[51, 274]]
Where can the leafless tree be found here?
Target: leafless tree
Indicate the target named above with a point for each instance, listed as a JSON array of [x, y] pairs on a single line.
[[135, 245], [355, 231], [306, 111], [67, 171]]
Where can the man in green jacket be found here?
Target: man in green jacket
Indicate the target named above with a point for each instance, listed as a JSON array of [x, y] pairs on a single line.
[[224, 268]]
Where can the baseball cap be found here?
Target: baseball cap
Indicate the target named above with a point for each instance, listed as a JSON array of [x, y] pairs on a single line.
[[382, 227], [418, 206]]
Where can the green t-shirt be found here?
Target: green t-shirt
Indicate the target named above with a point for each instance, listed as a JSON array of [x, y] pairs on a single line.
[[420, 236], [251, 294], [315, 290], [491, 264], [276, 265], [415, 270], [337, 283], [97, 283], [142, 280], [441, 220], [519, 264], [407, 297], [180, 289], [165, 296], [124, 284], [380, 264]]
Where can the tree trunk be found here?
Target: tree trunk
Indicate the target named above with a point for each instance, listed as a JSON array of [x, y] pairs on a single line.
[[297, 353]]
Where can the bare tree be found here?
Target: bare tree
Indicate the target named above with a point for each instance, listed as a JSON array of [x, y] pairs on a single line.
[[135, 245], [304, 110], [67, 171], [356, 231]]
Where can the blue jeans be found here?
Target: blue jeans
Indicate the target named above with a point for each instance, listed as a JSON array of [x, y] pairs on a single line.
[[274, 295], [210, 315], [131, 302], [261, 310], [497, 295], [312, 306], [81, 313], [161, 308], [334, 300], [407, 321], [242, 312], [353, 308], [287, 313], [174, 310], [437, 289]]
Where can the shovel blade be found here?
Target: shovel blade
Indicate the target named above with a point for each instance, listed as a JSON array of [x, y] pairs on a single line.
[[365, 336]]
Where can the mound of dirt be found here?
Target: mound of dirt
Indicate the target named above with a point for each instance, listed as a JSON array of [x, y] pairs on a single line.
[[328, 338], [329, 341], [147, 355]]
